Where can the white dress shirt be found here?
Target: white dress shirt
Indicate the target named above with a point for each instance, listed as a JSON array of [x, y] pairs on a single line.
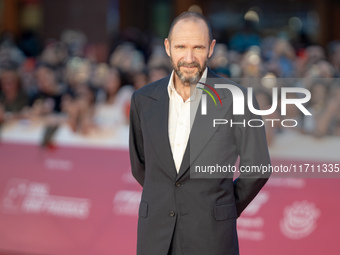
[[179, 118]]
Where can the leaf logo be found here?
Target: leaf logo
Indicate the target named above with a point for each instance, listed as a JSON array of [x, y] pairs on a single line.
[[209, 93]]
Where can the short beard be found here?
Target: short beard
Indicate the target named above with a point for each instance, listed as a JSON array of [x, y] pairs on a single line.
[[189, 80]]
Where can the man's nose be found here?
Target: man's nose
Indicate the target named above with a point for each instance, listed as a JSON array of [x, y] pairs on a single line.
[[189, 56]]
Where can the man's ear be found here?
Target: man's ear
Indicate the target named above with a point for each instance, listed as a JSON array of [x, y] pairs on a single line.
[[211, 48], [167, 46]]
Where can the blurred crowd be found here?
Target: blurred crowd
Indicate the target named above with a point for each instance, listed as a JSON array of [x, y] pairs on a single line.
[[63, 81]]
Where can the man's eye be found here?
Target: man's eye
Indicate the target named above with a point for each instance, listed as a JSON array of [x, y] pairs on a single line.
[[199, 47], [180, 47]]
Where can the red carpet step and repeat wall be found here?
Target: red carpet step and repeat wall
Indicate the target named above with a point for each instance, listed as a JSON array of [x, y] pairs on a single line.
[[83, 200]]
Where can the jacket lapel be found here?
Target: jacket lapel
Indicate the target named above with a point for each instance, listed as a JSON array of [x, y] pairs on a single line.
[[158, 128]]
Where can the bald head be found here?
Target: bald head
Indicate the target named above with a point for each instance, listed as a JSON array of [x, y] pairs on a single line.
[[191, 16]]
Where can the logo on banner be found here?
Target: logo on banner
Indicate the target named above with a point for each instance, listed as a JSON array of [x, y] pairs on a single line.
[[256, 204], [299, 220], [250, 224], [23, 196], [126, 202]]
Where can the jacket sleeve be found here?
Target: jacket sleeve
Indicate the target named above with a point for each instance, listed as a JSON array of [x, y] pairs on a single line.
[[252, 149], [136, 147]]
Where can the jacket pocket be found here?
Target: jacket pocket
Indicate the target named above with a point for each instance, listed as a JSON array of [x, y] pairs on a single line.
[[225, 211], [143, 209]]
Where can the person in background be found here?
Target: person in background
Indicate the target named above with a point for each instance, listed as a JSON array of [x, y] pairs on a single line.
[[48, 98], [317, 107], [333, 51], [13, 99], [246, 38], [110, 114], [284, 57], [79, 109], [157, 73], [140, 79], [312, 54], [328, 123]]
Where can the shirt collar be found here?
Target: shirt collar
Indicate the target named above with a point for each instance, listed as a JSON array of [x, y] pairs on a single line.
[[197, 92]]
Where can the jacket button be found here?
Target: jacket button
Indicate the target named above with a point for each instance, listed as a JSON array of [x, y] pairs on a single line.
[[178, 184], [172, 213]]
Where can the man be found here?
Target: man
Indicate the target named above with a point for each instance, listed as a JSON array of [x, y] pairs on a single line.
[[180, 215]]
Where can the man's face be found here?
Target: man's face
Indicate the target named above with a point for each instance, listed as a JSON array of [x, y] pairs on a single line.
[[189, 49]]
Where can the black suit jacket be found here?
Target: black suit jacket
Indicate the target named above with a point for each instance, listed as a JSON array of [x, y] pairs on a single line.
[[203, 210]]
